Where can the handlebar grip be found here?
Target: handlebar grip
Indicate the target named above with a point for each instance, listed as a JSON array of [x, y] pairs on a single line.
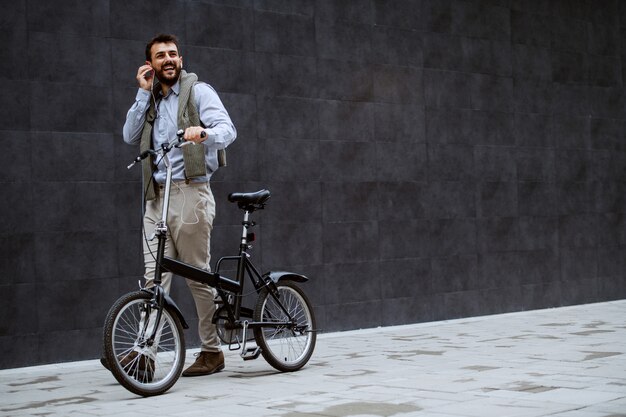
[[180, 133], [141, 157]]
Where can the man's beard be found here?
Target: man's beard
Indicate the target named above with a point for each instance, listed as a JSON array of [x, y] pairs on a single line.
[[167, 80]]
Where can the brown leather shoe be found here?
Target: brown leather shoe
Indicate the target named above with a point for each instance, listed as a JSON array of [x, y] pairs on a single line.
[[125, 360], [105, 363], [136, 365], [129, 362], [206, 363]]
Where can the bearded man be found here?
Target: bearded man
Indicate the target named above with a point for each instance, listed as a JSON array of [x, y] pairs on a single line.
[[169, 99]]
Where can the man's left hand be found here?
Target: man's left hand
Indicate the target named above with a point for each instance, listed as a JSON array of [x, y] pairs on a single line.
[[193, 134]]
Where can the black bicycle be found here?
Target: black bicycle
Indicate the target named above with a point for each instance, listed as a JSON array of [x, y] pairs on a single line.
[[143, 332]]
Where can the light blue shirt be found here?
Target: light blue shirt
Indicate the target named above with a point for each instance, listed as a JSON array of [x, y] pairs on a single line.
[[219, 128]]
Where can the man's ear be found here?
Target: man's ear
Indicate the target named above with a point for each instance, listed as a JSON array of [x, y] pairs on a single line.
[[181, 61]]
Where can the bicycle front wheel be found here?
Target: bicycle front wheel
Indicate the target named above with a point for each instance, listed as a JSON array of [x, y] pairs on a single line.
[[144, 361], [288, 346]]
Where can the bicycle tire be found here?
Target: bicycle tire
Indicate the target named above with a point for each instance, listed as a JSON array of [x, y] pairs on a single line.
[[283, 348], [124, 345]]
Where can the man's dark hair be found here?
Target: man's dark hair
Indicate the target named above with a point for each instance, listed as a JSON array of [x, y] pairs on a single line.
[[161, 38]]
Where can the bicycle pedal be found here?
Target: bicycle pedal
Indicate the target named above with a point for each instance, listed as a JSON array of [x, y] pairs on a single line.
[[251, 353]]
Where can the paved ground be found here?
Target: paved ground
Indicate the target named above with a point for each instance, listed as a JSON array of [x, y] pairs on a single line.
[[560, 362]]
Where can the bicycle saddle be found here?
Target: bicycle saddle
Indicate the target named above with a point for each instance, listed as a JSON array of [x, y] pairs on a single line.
[[245, 199]]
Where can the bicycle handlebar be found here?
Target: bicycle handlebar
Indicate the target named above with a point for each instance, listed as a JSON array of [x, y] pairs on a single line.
[[165, 148]]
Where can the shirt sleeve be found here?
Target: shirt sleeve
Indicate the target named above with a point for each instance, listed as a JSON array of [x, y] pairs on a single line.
[[136, 117], [220, 129]]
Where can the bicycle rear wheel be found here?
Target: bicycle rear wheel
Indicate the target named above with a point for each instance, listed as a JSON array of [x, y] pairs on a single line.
[[142, 366], [285, 347]]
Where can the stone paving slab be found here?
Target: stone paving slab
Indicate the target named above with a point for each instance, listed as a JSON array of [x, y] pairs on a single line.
[[568, 361]]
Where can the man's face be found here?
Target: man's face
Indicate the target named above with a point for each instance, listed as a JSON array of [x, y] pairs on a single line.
[[166, 62]]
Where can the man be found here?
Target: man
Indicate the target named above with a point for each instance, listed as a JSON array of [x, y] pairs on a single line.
[[170, 99]]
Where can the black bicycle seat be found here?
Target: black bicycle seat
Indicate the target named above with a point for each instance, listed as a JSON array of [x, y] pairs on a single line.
[[246, 199]]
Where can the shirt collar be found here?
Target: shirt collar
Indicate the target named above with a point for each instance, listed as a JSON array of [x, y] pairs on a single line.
[[173, 89], [176, 87]]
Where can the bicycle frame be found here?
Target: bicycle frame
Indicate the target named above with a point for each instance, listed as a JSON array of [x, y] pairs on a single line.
[[214, 279], [144, 343]]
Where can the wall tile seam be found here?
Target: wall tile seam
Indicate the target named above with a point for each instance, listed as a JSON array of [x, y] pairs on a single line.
[[354, 303], [379, 183], [400, 102], [258, 10], [456, 35], [428, 107], [519, 8], [303, 16], [354, 24], [38, 181], [486, 112], [393, 260], [14, 130], [319, 100], [436, 70], [86, 137], [84, 278], [290, 55], [559, 19], [376, 65], [552, 48], [240, 52], [71, 35], [374, 141], [396, 27], [504, 37], [507, 74], [370, 65], [546, 250], [346, 222], [479, 289], [618, 56]]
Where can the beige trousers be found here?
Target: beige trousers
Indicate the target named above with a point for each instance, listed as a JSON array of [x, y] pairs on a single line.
[[190, 221]]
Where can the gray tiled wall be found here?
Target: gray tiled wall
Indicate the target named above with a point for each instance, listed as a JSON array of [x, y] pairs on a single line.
[[428, 159]]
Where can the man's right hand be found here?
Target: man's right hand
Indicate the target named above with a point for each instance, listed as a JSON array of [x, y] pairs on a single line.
[[145, 74]]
